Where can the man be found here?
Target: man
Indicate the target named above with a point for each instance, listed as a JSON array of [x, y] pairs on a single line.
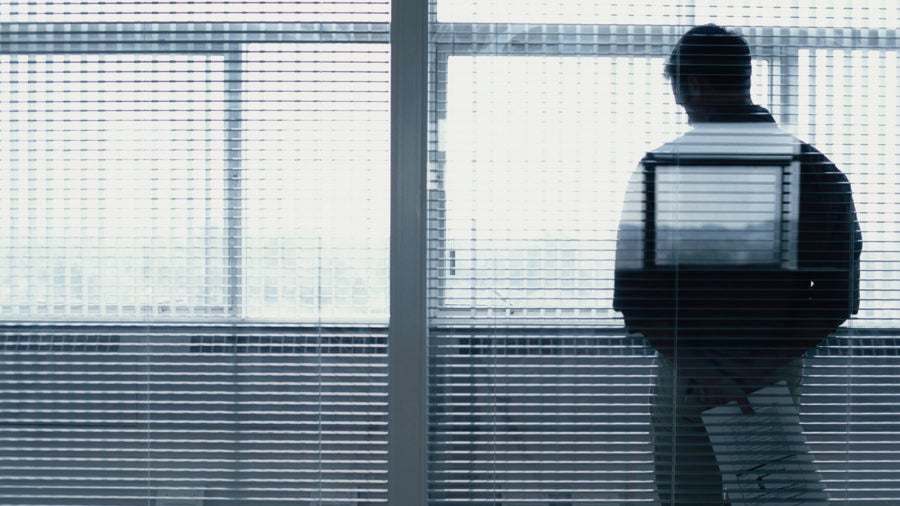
[[729, 310]]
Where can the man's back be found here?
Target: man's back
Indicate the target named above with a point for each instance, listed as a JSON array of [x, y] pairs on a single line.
[[782, 307], [741, 322]]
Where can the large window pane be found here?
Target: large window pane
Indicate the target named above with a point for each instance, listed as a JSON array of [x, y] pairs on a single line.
[[113, 206], [538, 153], [849, 110], [317, 186], [866, 14], [537, 394]]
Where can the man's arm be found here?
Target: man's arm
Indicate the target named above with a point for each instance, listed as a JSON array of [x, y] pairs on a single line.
[[830, 236], [630, 239]]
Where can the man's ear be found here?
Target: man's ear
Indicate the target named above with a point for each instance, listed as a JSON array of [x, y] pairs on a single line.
[[694, 87], [685, 90]]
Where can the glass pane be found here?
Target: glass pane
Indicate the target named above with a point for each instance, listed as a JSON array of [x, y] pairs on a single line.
[[718, 215], [538, 153], [112, 204], [849, 111], [317, 155]]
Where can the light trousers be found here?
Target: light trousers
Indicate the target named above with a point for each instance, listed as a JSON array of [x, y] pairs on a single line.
[[686, 469]]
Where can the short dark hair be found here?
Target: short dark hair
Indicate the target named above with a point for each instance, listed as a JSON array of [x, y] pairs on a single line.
[[720, 57]]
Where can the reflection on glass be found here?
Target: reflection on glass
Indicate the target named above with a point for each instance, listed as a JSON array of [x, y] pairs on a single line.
[[718, 215]]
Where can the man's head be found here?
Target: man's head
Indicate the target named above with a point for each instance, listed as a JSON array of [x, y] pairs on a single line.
[[710, 66]]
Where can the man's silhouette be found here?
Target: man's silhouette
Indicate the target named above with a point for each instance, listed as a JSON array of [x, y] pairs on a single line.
[[730, 284]]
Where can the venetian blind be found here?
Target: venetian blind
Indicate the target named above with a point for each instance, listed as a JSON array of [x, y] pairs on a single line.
[[540, 113], [194, 233]]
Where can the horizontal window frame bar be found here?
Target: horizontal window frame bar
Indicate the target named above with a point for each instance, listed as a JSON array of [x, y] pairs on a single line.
[[483, 38], [188, 328], [116, 33], [551, 328], [638, 40]]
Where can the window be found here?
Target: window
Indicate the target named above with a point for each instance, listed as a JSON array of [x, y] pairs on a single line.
[[534, 177], [212, 233], [110, 215]]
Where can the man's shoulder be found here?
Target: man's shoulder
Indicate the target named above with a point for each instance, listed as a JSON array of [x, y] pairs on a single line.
[[817, 164], [810, 153], [739, 139]]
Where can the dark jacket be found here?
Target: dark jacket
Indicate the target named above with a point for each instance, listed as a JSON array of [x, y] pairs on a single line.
[[780, 312]]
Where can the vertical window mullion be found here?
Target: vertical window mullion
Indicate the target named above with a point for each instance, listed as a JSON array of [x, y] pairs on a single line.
[[407, 342]]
